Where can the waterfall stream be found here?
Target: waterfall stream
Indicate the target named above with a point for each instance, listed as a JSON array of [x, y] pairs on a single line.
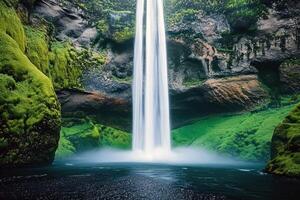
[[151, 123]]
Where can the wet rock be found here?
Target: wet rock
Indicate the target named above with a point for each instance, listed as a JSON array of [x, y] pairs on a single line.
[[229, 94], [213, 96], [289, 72], [69, 23], [110, 111]]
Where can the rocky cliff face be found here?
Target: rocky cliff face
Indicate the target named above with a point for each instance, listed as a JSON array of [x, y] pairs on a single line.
[[216, 63]]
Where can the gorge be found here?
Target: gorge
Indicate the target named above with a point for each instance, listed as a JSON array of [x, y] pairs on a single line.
[[82, 83]]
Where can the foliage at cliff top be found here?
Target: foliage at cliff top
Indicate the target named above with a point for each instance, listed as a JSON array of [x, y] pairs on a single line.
[[29, 111], [285, 151], [81, 134], [242, 15], [246, 136]]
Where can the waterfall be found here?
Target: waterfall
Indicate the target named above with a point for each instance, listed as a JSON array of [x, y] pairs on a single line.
[[151, 124]]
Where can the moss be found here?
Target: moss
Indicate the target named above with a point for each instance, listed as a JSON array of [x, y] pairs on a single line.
[[66, 64], [64, 71], [37, 48], [246, 136], [30, 113], [123, 35], [102, 26], [193, 82], [65, 148], [60, 61], [82, 134], [112, 137], [11, 25], [285, 156], [243, 14], [181, 14]]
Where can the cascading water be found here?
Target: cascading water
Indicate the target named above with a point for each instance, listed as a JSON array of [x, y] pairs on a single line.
[[151, 125]]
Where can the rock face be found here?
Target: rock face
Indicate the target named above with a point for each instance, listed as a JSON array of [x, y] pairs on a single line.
[[69, 24], [216, 96], [213, 96], [215, 63], [289, 73], [109, 111], [29, 110], [285, 151]]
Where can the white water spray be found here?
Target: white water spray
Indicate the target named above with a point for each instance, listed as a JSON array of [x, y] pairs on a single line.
[[151, 125]]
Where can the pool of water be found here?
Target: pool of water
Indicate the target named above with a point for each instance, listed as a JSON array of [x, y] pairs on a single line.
[[66, 180]]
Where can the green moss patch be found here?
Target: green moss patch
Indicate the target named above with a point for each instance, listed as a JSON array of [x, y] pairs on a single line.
[[37, 49], [60, 61], [247, 136], [78, 135], [11, 25]]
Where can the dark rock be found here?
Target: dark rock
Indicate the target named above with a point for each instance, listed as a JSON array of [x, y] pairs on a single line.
[[69, 24], [216, 96], [110, 111], [289, 73]]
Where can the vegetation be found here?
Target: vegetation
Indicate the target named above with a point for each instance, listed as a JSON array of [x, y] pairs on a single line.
[[241, 14], [60, 61], [37, 49], [245, 135], [81, 134], [29, 109], [11, 25], [285, 151]]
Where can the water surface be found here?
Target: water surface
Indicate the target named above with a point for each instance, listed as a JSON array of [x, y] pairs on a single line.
[[145, 181]]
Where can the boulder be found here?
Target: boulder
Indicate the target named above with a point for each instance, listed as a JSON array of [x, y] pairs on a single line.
[[29, 110], [285, 146]]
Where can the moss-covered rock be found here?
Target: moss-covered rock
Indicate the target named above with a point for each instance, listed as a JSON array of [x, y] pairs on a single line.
[[243, 14], [29, 110], [37, 49], [118, 26], [11, 25], [82, 134], [60, 61], [285, 147]]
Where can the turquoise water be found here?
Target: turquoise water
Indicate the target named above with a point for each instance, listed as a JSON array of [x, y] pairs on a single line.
[[145, 181]]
